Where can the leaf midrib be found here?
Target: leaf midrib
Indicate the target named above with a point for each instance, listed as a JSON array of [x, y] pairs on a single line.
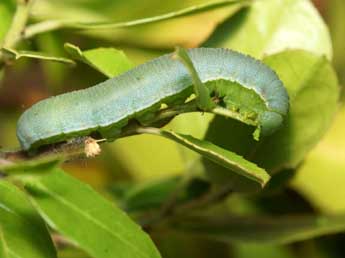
[[90, 218], [6, 247], [251, 173]]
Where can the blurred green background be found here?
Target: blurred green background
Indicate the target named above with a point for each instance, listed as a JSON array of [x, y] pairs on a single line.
[[317, 186]]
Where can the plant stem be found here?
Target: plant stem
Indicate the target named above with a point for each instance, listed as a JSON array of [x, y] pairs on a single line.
[[43, 27], [210, 198], [46, 26], [70, 150], [75, 148], [172, 200], [17, 27]]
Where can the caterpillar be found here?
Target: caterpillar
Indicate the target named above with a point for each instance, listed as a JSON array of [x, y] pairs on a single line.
[[238, 85]]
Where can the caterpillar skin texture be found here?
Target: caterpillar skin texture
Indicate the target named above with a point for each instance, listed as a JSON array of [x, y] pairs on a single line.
[[107, 107]]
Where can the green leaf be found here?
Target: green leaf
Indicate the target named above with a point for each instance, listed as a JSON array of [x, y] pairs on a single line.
[[109, 61], [227, 159], [244, 250], [155, 193], [111, 25], [150, 194], [7, 9], [87, 219], [23, 233], [18, 54], [313, 89], [335, 11], [161, 35], [202, 93], [259, 31], [321, 176], [29, 167], [263, 230], [218, 155], [70, 252]]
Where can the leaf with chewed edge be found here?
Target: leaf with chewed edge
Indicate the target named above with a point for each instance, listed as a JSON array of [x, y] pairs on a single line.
[[223, 157]]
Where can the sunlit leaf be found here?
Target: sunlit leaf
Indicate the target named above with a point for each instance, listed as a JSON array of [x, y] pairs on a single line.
[[313, 89], [321, 176], [109, 61], [335, 12], [86, 218], [23, 233], [198, 17], [259, 31], [111, 25]]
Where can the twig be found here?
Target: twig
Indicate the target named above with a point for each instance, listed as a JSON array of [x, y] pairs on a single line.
[[77, 147], [210, 198], [51, 25], [64, 151], [17, 27], [172, 200], [42, 27]]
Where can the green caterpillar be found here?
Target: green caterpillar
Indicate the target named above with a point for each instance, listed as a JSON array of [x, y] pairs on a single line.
[[237, 85]]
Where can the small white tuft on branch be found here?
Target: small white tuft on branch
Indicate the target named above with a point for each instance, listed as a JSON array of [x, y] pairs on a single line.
[[91, 148]]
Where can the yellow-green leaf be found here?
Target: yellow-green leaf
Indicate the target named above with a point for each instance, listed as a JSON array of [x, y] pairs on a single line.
[[7, 9], [109, 61], [260, 31]]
